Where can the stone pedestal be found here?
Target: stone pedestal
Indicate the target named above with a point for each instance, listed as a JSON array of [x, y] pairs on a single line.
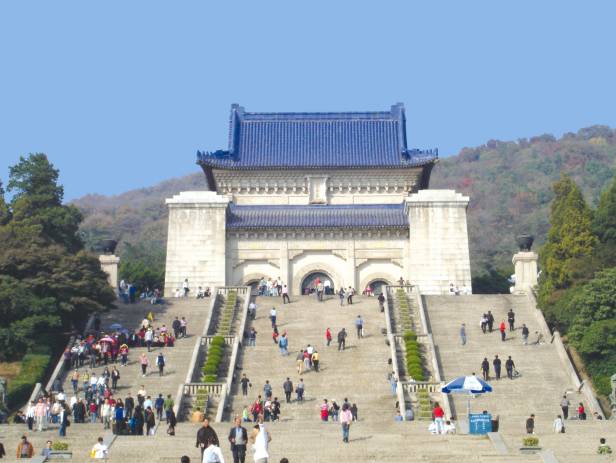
[[525, 264], [196, 242], [109, 264], [438, 245]]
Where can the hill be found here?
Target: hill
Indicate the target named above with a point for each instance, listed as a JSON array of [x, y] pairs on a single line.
[[509, 183]]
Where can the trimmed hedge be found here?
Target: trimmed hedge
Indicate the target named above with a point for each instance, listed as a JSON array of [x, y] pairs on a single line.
[[413, 356], [33, 369], [215, 354]]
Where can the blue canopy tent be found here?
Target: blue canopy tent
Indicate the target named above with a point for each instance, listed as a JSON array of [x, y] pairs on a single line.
[[470, 385]]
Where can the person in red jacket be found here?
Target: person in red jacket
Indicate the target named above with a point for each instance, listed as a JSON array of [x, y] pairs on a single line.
[[439, 415], [502, 330], [328, 336]]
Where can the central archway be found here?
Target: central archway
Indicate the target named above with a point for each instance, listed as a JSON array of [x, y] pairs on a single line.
[[310, 282]]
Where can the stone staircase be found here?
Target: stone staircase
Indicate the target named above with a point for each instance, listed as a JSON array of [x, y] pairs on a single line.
[[538, 389]]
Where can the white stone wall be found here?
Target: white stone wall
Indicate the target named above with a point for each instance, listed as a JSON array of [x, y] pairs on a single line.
[[438, 251], [196, 242], [349, 258]]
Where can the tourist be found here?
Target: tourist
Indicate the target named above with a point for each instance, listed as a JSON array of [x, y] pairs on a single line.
[[160, 361], [273, 315], [260, 439], [238, 437], [485, 369], [63, 420], [603, 449], [129, 405], [159, 405], [172, 422], [324, 411], [300, 390], [497, 366], [558, 425], [205, 435], [490, 321], [150, 421], [99, 451], [176, 327], [564, 406], [144, 362], [183, 326], [349, 294], [40, 414], [299, 362], [245, 383], [359, 326], [353, 409], [502, 329], [509, 366], [285, 295], [381, 300], [287, 387], [327, 286], [315, 361], [334, 410], [511, 319], [439, 415], [115, 377], [75, 381], [24, 448], [483, 323], [341, 295], [106, 414], [463, 334], [252, 337], [185, 459], [185, 287], [530, 424], [30, 415], [267, 389], [398, 417], [252, 310], [307, 360], [449, 428], [342, 334], [283, 344], [346, 418], [525, 334], [581, 412], [149, 338], [46, 452], [393, 383]]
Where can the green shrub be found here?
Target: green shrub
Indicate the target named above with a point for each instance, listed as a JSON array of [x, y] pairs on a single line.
[[33, 369], [416, 373], [59, 446], [530, 441], [218, 341], [409, 336], [603, 385], [210, 378]]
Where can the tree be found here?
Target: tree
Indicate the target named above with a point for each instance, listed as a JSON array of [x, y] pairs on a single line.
[[4, 208], [569, 239], [604, 220], [48, 282]]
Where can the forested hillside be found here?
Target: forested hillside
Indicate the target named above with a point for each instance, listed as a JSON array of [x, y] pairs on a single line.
[[510, 185]]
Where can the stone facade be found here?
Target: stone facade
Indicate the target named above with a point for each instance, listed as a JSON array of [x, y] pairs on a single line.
[[336, 193], [109, 264]]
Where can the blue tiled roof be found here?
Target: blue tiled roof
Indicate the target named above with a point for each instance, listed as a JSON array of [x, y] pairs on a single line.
[[315, 140], [317, 216]]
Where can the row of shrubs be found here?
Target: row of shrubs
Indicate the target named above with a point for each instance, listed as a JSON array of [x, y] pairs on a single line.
[[405, 315], [201, 400], [424, 405], [226, 316], [215, 353], [33, 369], [413, 356]]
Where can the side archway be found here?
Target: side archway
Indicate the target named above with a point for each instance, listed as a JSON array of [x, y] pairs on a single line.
[[375, 279], [302, 273]]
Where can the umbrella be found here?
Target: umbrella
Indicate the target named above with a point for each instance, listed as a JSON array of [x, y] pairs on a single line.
[[467, 385], [115, 326], [107, 339]]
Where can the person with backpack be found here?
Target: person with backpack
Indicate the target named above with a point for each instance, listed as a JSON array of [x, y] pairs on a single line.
[[509, 366], [160, 361], [267, 389], [159, 404]]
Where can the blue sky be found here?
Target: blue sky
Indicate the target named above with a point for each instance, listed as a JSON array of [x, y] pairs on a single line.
[[121, 94]]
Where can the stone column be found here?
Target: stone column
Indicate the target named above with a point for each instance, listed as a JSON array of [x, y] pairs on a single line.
[[525, 264], [109, 264], [438, 245], [196, 242]]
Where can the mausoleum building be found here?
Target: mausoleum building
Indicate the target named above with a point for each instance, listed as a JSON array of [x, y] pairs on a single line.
[[336, 195]]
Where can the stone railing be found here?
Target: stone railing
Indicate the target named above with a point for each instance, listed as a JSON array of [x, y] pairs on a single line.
[[436, 371], [195, 358], [389, 294], [206, 340], [240, 290], [213, 389], [237, 343], [414, 386]]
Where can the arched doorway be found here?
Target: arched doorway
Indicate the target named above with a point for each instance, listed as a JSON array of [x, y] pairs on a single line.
[[376, 286], [254, 286], [311, 280]]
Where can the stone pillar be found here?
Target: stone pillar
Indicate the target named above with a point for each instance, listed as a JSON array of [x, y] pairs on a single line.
[[438, 245], [109, 264], [525, 264], [196, 242]]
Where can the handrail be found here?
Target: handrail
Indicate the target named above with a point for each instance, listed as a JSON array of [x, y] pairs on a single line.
[[239, 336], [194, 359], [394, 356]]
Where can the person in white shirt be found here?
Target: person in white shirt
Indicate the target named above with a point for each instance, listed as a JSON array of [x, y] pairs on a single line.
[[252, 310], [212, 454], [100, 450], [261, 439]]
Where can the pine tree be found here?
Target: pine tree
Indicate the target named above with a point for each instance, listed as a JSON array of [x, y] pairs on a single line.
[[4, 209], [570, 237], [604, 220]]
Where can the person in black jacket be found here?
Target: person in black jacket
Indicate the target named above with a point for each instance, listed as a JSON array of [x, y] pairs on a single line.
[[205, 436], [238, 437]]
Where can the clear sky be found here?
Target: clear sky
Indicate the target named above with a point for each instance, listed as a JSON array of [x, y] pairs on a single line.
[[121, 94]]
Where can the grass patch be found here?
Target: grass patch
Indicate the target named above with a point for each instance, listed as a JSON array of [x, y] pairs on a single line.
[[33, 369]]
